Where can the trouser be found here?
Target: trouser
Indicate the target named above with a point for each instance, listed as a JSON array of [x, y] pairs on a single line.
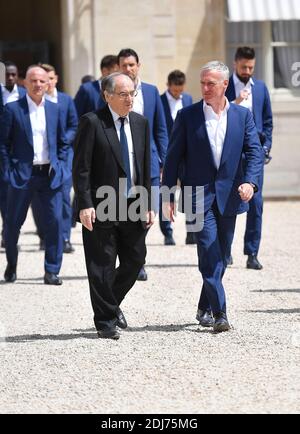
[[17, 208], [108, 284], [214, 247]]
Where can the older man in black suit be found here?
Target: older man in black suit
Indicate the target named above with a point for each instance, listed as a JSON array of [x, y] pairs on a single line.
[[112, 145]]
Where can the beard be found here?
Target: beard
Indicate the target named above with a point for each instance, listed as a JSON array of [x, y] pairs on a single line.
[[243, 79]]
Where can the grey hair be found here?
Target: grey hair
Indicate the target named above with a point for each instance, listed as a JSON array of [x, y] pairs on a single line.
[[108, 84], [218, 66]]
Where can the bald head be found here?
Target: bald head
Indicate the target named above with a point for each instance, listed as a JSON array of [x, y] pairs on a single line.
[[36, 83]]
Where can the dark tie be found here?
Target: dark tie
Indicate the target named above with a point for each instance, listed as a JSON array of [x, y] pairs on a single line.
[[125, 153]]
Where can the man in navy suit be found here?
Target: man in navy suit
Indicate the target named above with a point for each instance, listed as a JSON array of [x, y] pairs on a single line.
[[89, 97], [10, 92], [148, 104], [210, 139], [69, 121], [173, 100], [34, 155], [245, 90]]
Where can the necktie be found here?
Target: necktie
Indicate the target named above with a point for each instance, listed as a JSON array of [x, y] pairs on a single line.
[[125, 154]]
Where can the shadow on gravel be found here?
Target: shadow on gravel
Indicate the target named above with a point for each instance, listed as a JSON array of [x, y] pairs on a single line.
[[273, 291], [276, 311], [62, 337], [40, 280]]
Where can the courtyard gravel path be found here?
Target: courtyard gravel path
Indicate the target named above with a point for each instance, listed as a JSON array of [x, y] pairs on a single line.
[[51, 360]]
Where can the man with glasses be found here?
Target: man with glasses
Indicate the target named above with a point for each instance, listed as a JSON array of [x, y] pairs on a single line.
[[253, 94], [112, 144], [210, 139]]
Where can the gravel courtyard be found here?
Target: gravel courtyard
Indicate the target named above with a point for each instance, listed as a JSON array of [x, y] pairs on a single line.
[[51, 360]]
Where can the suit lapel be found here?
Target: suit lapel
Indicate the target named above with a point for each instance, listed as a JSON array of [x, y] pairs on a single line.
[[112, 136], [255, 100], [231, 126], [26, 119], [138, 146], [202, 131], [51, 123], [1, 101]]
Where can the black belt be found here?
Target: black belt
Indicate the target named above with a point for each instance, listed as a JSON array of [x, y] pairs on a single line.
[[40, 168]]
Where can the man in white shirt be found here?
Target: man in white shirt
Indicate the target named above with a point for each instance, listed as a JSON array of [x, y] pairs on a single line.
[[9, 92], [34, 154], [209, 138], [244, 89], [69, 122]]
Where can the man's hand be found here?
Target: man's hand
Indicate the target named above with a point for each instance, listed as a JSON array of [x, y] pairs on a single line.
[[244, 94], [150, 219], [246, 192], [168, 209], [87, 218]]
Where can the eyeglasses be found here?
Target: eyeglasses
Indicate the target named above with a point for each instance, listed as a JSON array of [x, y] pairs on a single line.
[[125, 95]]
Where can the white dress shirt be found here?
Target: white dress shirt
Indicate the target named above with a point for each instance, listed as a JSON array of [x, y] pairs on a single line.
[[131, 152], [52, 98], [138, 103], [10, 96], [239, 86], [39, 131], [174, 104], [216, 129]]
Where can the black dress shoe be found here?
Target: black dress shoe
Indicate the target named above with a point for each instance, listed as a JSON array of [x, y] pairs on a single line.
[[253, 263], [169, 241], [68, 248], [109, 333], [142, 277], [221, 323], [205, 318], [52, 279], [10, 274], [122, 323], [190, 238]]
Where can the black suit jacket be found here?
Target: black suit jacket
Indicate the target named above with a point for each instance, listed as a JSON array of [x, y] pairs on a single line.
[[98, 159]]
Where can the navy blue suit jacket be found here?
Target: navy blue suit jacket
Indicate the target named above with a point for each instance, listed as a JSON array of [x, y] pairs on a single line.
[[89, 98], [262, 111], [22, 93], [186, 101], [16, 144], [69, 121], [190, 145], [154, 112]]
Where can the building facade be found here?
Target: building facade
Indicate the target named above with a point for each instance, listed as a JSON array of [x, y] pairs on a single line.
[[170, 34]]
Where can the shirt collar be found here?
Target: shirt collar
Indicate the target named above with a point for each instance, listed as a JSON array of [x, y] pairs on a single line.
[[52, 98], [171, 97], [208, 108], [115, 116], [236, 81], [139, 84], [32, 104], [15, 89]]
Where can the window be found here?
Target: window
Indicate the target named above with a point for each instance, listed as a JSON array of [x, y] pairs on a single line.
[[277, 46]]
